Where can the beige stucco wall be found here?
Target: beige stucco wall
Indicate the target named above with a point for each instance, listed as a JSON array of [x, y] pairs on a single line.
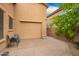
[[8, 7], [35, 13], [30, 13], [8, 11]]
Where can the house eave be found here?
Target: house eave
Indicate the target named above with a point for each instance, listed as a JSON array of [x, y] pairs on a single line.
[[45, 4], [58, 10]]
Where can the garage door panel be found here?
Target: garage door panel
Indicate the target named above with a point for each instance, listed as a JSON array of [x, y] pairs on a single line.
[[30, 30]]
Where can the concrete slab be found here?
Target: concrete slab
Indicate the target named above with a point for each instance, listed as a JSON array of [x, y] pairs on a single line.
[[41, 47]]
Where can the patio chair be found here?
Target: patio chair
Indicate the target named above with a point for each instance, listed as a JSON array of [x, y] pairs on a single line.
[[15, 39], [7, 40], [12, 40]]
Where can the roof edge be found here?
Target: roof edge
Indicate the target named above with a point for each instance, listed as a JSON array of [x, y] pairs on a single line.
[[54, 13], [45, 4]]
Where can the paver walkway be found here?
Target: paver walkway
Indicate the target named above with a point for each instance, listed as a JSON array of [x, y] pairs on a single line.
[[41, 47]]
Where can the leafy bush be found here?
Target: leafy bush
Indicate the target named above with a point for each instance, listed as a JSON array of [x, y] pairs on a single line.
[[68, 22]]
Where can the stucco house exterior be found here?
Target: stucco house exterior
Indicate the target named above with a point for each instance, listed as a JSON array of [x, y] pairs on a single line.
[[26, 20], [51, 31]]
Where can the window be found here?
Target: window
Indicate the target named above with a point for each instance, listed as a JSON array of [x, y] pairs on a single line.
[[10, 23], [1, 23]]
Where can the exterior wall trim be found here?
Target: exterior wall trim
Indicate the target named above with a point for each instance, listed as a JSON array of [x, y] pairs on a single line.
[[30, 21], [45, 4], [2, 41], [5, 11]]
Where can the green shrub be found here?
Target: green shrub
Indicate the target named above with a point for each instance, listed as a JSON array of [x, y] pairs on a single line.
[[67, 23]]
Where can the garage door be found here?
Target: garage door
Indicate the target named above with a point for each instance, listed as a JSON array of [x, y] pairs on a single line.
[[30, 30]]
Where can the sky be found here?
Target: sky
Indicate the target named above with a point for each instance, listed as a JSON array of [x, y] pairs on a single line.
[[52, 7]]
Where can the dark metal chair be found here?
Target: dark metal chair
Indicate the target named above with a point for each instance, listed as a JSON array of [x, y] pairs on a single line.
[[14, 39], [7, 40]]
